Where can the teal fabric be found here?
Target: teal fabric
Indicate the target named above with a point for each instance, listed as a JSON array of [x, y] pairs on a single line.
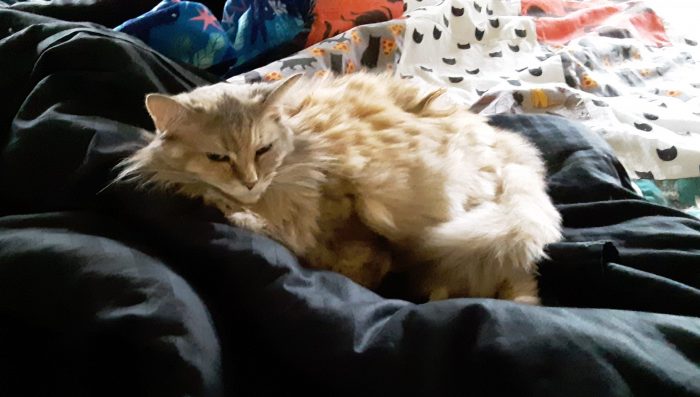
[[651, 192], [688, 190], [683, 194]]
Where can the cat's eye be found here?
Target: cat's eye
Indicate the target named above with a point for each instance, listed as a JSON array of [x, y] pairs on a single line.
[[263, 150], [217, 157]]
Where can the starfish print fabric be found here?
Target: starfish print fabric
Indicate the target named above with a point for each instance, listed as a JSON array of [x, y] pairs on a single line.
[[185, 31], [191, 33], [249, 33]]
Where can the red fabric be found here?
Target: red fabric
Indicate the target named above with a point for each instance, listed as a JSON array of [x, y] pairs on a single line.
[[561, 30], [554, 8], [558, 8], [566, 20], [650, 28], [333, 17]]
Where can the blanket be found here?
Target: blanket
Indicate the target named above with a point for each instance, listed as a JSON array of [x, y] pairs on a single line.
[[612, 65], [122, 291], [249, 32]]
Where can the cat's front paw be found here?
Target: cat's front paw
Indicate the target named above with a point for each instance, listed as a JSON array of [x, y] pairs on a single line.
[[439, 294], [247, 220], [528, 300]]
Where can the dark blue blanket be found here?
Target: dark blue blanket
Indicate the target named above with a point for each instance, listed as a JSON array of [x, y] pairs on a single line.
[[190, 32]]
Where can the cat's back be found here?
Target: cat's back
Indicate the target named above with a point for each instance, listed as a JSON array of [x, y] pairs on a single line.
[[369, 120], [390, 144]]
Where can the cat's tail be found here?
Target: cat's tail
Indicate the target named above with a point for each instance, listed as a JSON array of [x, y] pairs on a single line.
[[511, 232]]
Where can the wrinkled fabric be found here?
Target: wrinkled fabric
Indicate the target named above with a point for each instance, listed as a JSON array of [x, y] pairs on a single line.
[[611, 65], [243, 34], [191, 33], [120, 291], [110, 13], [184, 31]]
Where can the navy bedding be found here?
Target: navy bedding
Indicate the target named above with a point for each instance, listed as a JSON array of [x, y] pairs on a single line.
[[125, 292]]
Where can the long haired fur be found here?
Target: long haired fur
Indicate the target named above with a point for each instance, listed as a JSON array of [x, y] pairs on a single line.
[[352, 172]]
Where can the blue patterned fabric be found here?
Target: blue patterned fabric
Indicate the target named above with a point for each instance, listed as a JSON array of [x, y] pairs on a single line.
[[191, 33], [263, 25]]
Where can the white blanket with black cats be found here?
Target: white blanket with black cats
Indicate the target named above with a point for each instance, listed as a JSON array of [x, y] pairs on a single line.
[[637, 87]]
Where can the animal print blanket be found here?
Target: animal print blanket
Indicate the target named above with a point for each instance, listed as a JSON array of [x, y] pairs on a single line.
[[613, 65], [246, 32]]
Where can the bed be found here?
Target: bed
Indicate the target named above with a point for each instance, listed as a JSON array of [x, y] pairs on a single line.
[[112, 290]]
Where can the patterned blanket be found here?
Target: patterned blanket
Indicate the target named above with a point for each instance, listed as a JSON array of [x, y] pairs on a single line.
[[247, 31], [612, 65]]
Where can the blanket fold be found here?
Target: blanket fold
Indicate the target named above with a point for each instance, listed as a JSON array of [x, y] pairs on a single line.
[[130, 292]]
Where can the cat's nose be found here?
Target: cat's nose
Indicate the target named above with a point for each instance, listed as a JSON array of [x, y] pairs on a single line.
[[249, 177]]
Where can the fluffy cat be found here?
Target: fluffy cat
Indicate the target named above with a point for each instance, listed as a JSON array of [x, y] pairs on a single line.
[[362, 175]]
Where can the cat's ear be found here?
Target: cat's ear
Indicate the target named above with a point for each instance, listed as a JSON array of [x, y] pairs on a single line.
[[163, 110], [427, 100], [277, 90]]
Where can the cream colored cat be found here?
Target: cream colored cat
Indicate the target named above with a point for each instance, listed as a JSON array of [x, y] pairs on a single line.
[[360, 174]]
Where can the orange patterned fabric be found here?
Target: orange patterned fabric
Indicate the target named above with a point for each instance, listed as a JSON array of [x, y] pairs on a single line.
[[332, 17], [650, 27], [557, 8], [559, 21], [559, 30]]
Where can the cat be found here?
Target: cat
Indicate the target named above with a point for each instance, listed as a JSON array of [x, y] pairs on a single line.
[[337, 63], [294, 62], [370, 56], [341, 39], [362, 174]]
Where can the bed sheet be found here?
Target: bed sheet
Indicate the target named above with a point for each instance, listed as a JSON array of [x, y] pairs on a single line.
[[611, 65]]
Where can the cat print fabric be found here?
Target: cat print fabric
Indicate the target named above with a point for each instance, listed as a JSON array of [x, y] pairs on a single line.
[[226, 42], [610, 65], [374, 47], [616, 86]]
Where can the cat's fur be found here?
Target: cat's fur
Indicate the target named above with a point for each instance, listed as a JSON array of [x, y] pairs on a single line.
[[365, 173]]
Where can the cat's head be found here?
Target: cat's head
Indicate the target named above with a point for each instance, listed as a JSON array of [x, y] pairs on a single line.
[[227, 137]]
